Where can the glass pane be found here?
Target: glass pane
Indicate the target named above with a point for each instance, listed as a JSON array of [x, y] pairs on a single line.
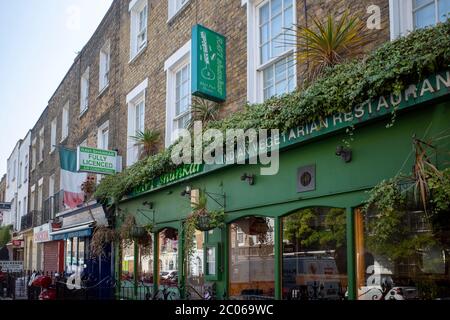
[[264, 14], [69, 251], [264, 33], [280, 70], [145, 268], [277, 46], [425, 16], [252, 266], [276, 6], [127, 270], [196, 276], [268, 77], [265, 53], [276, 25], [168, 257], [81, 254], [403, 258], [444, 10], [288, 19], [418, 3], [314, 265], [287, 3]]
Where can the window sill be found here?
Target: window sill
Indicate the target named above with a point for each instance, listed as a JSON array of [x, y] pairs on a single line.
[[176, 14], [82, 113], [138, 54], [275, 60], [63, 139], [100, 94]]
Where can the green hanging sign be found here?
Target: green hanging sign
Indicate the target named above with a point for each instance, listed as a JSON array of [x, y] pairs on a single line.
[[208, 64]]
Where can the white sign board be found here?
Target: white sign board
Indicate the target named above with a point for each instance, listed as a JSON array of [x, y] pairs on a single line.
[[96, 160], [11, 266], [42, 233]]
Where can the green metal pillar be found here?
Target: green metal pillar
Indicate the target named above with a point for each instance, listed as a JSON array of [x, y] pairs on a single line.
[[155, 262], [278, 257], [351, 254]]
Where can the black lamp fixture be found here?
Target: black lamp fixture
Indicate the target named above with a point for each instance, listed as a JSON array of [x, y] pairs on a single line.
[[250, 178], [186, 192], [344, 153], [148, 204]]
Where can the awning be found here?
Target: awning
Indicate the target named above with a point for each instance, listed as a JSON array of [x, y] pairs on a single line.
[[79, 231]]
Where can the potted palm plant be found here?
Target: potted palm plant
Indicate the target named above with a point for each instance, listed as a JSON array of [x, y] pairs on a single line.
[[147, 141]]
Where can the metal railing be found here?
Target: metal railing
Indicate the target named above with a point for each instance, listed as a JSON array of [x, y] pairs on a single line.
[[31, 220], [52, 206], [21, 286]]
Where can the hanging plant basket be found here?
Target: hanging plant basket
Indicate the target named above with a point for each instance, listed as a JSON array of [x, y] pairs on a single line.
[[204, 223], [138, 232]]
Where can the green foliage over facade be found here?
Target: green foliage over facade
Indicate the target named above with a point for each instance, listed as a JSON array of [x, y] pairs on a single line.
[[389, 69]]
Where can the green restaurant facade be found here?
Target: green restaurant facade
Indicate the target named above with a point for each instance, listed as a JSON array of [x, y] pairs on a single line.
[[299, 234]]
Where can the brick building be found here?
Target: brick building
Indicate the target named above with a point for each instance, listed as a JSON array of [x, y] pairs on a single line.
[[134, 74]]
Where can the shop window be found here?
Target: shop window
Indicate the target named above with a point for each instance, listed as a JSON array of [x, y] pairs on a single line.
[[195, 276], [252, 266], [314, 264], [168, 255], [76, 254], [127, 270], [402, 256]]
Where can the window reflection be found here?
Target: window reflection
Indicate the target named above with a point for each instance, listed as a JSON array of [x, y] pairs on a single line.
[[195, 275], [252, 267], [127, 276], [168, 257], [402, 257], [314, 265]]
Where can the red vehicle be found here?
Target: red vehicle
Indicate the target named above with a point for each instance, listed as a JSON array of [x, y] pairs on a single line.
[[48, 290]]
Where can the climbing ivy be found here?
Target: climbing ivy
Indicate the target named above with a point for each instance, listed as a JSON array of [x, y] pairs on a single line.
[[389, 69]]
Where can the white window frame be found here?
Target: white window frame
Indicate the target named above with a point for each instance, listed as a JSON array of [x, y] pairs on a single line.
[[25, 169], [53, 135], [175, 7], [136, 96], [51, 194], [41, 145], [401, 17], [84, 92], [100, 141], [135, 8], [65, 122], [19, 173], [177, 61], [33, 154], [104, 66], [255, 86], [40, 194], [32, 197]]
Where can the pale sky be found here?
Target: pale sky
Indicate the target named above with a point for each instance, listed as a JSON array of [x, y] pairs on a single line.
[[38, 43]]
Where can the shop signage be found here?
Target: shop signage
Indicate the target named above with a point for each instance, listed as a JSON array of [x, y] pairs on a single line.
[[12, 266], [96, 161], [17, 243], [42, 233], [176, 175], [208, 64], [415, 94], [5, 205]]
